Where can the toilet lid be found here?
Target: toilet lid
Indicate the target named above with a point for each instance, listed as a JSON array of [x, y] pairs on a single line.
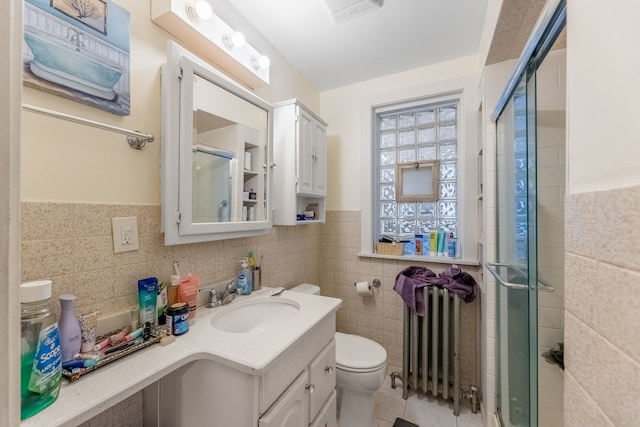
[[356, 352]]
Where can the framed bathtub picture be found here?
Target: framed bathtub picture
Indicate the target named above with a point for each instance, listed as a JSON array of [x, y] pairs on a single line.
[[79, 49], [92, 13]]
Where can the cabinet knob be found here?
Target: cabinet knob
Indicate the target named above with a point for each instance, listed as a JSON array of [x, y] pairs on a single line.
[[329, 369], [310, 388]]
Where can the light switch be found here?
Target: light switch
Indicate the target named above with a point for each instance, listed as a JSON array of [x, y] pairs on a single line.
[[125, 234]]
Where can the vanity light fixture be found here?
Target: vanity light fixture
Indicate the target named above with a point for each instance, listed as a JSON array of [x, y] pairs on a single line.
[[207, 35], [201, 11], [262, 62], [236, 39]]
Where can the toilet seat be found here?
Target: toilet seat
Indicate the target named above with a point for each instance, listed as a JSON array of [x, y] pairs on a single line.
[[358, 354]]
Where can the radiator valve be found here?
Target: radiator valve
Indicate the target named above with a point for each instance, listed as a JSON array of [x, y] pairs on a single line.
[[473, 395]]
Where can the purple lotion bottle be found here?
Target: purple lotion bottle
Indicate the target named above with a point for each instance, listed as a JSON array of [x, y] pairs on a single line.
[[69, 326]]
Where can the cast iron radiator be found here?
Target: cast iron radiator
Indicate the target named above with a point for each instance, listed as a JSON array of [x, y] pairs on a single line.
[[431, 347]]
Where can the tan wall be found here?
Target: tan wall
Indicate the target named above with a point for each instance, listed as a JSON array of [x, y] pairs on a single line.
[[65, 162]]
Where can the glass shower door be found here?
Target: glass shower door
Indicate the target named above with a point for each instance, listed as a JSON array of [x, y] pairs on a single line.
[[516, 267]]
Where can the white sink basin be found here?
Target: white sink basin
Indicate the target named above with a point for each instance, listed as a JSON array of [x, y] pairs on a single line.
[[259, 313]]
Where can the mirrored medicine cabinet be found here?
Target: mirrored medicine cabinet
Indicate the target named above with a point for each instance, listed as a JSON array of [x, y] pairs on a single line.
[[216, 154]]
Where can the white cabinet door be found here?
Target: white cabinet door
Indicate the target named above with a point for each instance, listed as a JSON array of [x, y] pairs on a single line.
[[328, 414], [305, 149], [322, 375], [291, 409], [319, 156]]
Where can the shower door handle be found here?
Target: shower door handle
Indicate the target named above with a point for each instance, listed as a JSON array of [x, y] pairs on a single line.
[[491, 266]]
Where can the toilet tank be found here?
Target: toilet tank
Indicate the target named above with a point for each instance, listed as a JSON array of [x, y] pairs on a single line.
[[306, 288]]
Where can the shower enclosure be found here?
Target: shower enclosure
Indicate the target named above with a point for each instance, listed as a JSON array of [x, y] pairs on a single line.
[[529, 227]]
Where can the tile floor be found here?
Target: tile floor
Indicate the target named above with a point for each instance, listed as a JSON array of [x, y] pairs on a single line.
[[425, 411]]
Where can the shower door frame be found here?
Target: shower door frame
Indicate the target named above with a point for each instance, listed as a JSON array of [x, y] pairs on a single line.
[[551, 22]]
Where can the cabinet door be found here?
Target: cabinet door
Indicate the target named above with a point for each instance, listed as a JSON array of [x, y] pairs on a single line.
[[322, 375], [319, 156], [291, 409], [328, 414], [304, 145]]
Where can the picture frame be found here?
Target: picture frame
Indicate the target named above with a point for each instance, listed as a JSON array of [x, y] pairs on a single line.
[[418, 181], [92, 13]]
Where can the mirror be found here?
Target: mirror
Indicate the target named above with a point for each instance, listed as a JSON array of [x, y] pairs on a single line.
[[215, 152]]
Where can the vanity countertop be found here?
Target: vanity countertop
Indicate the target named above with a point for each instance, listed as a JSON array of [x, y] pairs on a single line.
[[253, 352]]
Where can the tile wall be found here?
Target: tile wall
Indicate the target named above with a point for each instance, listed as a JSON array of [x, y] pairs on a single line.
[[602, 296], [72, 245], [551, 161], [379, 317]]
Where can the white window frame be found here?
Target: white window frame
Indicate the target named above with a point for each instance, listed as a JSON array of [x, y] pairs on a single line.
[[466, 90]]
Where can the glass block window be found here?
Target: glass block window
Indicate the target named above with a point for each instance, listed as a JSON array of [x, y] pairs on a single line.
[[520, 161], [411, 134]]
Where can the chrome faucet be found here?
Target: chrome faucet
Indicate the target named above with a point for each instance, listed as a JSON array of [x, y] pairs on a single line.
[[216, 300]]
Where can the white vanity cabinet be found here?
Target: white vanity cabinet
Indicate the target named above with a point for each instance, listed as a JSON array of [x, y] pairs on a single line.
[[300, 156], [296, 389], [311, 399]]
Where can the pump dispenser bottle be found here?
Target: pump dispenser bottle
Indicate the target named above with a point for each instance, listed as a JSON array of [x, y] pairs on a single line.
[[244, 286]]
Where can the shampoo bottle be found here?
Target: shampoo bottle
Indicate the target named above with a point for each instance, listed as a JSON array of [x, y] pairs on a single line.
[[70, 334], [441, 236], [452, 246]]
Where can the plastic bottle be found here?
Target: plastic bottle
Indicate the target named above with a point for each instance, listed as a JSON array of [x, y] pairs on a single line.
[[188, 292], [40, 356], [172, 293], [70, 333], [161, 303], [452, 246], [246, 288], [251, 264]]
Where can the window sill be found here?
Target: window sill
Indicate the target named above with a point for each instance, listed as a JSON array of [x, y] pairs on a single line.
[[422, 258]]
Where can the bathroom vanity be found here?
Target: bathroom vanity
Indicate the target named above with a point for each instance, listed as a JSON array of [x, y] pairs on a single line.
[[294, 389], [271, 373]]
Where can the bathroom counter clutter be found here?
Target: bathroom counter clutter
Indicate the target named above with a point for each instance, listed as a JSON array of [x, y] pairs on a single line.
[[219, 334]]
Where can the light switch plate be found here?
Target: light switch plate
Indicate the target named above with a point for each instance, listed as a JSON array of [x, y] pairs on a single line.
[[125, 234]]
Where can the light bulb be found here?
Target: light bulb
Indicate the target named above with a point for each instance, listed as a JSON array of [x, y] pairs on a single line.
[[263, 62], [235, 40], [201, 10], [238, 39]]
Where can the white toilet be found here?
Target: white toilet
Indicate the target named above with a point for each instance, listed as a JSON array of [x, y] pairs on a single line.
[[361, 366]]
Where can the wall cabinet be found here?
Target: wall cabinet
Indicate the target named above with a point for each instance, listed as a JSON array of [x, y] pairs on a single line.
[[300, 156]]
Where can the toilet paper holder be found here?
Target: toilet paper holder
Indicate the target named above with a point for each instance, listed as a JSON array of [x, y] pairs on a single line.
[[375, 283]]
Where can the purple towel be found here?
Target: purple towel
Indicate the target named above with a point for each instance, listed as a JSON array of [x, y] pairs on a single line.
[[457, 281], [411, 281], [409, 284]]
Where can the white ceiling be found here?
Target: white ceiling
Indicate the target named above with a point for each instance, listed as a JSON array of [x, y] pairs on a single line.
[[399, 36]]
